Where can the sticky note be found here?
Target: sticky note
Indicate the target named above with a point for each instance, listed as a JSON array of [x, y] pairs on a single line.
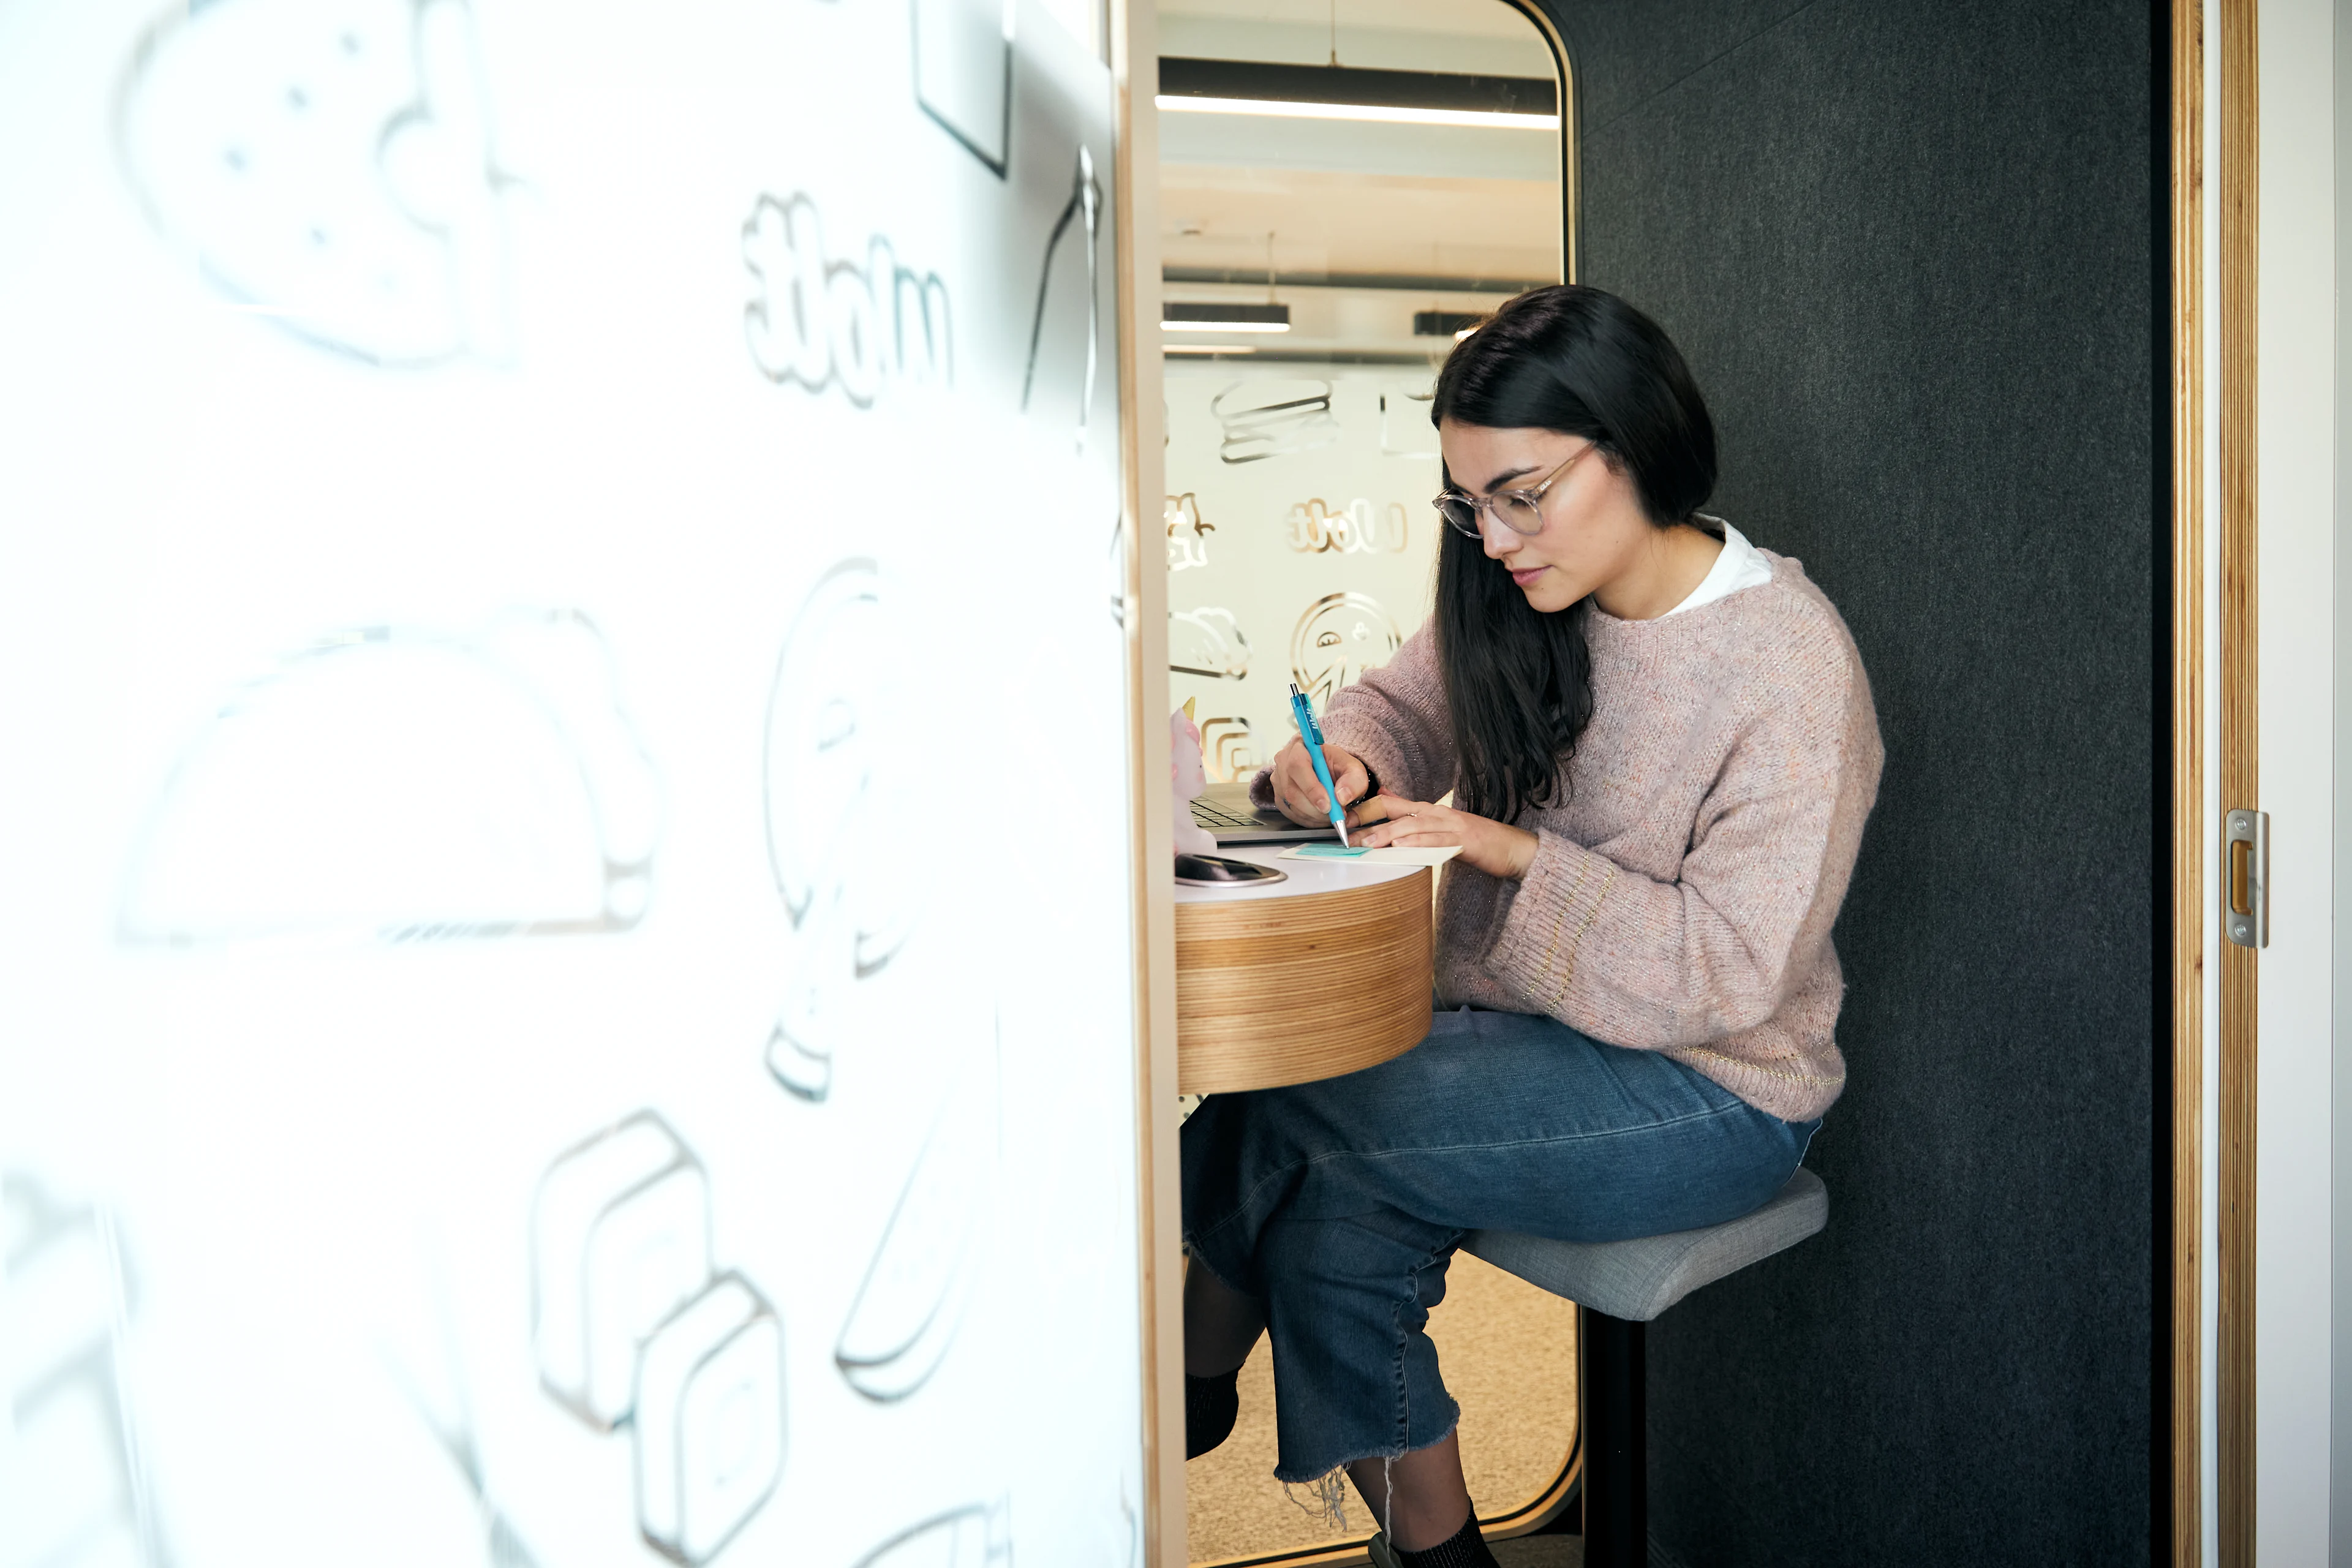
[[1391, 855]]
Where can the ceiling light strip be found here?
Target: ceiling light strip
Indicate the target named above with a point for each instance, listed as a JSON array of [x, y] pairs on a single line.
[[1383, 113]]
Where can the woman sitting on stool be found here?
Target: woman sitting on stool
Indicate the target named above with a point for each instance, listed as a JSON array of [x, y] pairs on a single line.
[[1661, 748]]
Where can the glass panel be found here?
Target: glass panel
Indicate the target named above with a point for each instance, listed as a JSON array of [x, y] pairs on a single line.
[[1341, 194]]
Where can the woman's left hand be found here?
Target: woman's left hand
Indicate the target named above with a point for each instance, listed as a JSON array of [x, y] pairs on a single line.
[[1495, 848]]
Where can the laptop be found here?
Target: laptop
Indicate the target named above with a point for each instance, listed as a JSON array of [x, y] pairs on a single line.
[[1224, 809]]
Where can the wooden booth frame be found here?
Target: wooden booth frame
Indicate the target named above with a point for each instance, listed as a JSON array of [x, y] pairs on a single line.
[[2233, 26], [1134, 51], [2230, 176]]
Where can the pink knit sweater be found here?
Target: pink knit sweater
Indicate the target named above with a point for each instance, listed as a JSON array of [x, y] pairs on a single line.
[[1681, 896]]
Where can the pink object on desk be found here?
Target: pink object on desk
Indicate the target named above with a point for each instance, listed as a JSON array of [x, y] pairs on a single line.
[[1187, 777]]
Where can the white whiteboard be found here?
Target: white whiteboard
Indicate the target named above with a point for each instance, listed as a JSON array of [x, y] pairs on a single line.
[[541, 541]]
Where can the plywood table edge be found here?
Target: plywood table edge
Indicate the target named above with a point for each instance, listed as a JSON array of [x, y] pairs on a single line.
[[1263, 971]]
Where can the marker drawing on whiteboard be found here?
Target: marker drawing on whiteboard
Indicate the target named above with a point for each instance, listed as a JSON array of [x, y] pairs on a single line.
[[814, 322], [454, 1432], [837, 759], [1085, 200], [620, 1238], [974, 1537], [633, 1324], [330, 165], [404, 784], [710, 1420], [932, 1251], [963, 74], [82, 1497]]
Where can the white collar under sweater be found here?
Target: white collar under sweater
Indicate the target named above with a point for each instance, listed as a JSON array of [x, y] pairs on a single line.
[[1737, 565]]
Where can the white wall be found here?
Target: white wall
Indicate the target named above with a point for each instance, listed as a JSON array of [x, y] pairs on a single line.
[[2296, 655]]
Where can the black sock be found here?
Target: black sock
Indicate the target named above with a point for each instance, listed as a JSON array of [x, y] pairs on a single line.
[[1210, 1405], [1466, 1548]]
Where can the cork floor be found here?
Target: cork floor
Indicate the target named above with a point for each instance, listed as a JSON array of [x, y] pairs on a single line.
[[1509, 1350]]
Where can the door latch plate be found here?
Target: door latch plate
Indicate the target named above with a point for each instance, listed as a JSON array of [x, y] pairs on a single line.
[[2245, 878]]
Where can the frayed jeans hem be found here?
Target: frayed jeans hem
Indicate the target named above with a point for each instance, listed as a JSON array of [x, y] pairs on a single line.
[[1339, 1466]]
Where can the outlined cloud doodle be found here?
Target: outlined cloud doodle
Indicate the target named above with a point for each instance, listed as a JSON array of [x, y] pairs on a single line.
[[1209, 642], [405, 784], [1085, 201], [634, 1325], [330, 164], [935, 1247], [839, 762]]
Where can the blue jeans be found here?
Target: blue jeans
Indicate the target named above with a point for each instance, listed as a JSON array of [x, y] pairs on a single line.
[[1337, 1205]]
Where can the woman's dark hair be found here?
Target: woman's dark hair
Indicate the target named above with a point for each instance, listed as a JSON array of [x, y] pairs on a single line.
[[1518, 680]]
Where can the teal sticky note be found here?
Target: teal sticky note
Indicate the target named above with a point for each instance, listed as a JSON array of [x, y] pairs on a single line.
[[1328, 852]]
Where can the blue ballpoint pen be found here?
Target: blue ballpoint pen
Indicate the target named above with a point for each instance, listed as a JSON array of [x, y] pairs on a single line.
[[1303, 712]]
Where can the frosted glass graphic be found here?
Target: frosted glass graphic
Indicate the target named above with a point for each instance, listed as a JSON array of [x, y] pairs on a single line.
[[1300, 531]]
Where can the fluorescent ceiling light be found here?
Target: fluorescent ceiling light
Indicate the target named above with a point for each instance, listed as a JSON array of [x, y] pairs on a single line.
[[1458, 324], [1219, 316], [1293, 110]]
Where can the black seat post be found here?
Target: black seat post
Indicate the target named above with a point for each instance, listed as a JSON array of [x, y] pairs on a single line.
[[1611, 1384]]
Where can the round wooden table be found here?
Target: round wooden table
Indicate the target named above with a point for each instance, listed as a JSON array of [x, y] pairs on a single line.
[[1325, 974]]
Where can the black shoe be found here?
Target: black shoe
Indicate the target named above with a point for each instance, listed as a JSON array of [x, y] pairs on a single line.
[[1211, 1403]]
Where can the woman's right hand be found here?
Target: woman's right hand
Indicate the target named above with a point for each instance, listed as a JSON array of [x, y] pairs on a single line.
[[1299, 792]]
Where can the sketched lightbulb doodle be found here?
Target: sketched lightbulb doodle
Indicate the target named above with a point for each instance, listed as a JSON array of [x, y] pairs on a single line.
[[1341, 637], [835, 755]]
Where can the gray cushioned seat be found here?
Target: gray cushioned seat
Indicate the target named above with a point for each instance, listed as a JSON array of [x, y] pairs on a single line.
[[1638, 1279]]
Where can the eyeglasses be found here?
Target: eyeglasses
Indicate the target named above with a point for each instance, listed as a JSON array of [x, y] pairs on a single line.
[[1519, 511]]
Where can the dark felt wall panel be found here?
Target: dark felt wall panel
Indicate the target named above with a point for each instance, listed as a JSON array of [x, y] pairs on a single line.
[[1906, 248]]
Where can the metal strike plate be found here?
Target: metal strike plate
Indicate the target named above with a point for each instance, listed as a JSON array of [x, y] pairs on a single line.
[[2246, 878]]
